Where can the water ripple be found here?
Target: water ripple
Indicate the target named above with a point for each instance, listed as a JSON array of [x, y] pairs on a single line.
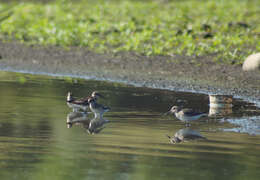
[[250, 125]]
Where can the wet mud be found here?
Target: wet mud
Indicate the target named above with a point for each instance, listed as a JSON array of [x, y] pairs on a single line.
[[195, 74]]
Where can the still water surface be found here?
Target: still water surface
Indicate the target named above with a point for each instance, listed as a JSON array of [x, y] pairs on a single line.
[[35, 142]]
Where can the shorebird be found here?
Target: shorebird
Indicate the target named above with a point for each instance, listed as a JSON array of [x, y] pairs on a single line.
[[97, 109], [186, 134], [185, 115], [81, 103]]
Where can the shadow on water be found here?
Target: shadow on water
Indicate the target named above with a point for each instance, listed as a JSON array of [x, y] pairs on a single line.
[[40, 138]]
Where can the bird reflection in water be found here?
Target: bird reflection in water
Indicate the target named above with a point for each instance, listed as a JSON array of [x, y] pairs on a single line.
[[92, 126], [186, 134]]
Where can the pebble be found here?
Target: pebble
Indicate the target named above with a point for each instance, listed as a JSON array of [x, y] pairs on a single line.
[[252, 62]]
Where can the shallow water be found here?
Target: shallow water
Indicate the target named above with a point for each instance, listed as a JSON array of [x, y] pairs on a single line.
[[35, 142]]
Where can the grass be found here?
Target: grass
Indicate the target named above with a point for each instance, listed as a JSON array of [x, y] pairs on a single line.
[[228, 29]]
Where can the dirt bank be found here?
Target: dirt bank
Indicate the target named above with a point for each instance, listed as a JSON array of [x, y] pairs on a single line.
[[178, 73]]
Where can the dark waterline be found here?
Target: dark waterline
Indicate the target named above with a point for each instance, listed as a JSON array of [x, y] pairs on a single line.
[[36, 143]]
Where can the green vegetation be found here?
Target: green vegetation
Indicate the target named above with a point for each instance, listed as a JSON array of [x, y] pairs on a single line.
[[228, 29]]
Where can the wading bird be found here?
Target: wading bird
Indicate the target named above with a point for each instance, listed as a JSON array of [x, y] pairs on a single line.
[[185, 115], [82, 103]]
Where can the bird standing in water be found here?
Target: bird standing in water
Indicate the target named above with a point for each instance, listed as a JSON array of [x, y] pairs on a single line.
[[186, 115], [97, 109], [82, 103]]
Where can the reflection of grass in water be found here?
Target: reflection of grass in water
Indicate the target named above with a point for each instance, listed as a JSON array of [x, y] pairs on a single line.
[[147, 27], [150, 140], [22, 80], [22, 77]]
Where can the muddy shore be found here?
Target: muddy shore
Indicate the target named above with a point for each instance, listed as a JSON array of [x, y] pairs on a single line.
[[196, 74]]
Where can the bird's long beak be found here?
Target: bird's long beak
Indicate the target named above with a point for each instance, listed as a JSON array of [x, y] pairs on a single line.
[[167, 113], [168, 136], [172, 139], [100, 95]]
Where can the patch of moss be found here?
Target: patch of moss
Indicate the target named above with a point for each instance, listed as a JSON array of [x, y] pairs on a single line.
[[226, 28]]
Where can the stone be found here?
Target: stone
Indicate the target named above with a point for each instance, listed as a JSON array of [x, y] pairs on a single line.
[[252, 62]]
